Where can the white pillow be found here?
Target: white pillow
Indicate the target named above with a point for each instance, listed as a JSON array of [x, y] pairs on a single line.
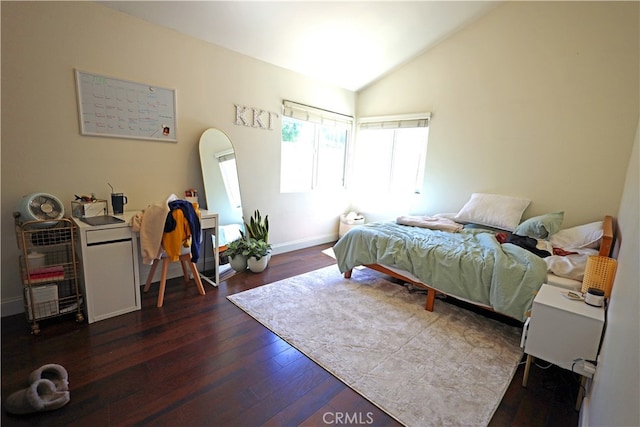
[[570, 266], [493, 210], [581, 236]]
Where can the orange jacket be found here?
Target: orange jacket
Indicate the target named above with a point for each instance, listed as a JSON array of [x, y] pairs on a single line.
[[174, 241]]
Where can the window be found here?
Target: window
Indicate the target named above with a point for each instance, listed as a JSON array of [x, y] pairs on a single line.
[[313, 149], [229, 171], [390, 153]]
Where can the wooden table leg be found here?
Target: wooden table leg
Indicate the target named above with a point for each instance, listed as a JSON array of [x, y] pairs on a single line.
[[527, 368], [431, 299]]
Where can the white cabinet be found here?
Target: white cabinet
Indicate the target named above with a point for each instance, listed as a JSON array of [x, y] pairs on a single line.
[[109, 255], [562, 331]]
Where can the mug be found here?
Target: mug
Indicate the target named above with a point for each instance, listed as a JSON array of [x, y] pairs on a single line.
[[594, 297], [118, 200]]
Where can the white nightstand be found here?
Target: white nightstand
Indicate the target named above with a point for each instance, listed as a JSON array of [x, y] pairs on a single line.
[[560, 331]]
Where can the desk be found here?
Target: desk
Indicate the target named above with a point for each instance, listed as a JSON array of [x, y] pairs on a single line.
[[110, 263]]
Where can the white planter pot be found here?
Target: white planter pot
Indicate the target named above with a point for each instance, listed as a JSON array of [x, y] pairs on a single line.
[[257, 265], [238, 262]]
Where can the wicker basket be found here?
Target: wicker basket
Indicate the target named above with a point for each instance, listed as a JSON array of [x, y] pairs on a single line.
[[599, 274]]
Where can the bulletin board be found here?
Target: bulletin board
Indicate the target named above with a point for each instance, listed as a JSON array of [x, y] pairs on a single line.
[[125, 109]]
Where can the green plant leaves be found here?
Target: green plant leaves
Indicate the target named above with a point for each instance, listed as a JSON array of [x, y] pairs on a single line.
[[257, 228]]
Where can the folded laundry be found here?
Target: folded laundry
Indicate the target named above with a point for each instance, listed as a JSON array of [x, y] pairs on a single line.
[[45, 274], [431, 222]]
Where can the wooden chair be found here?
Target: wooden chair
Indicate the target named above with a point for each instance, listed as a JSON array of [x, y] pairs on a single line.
[[185, 259]]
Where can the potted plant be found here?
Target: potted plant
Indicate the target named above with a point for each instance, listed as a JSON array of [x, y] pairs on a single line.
[[258, 229], [235, 252], [257, 253]]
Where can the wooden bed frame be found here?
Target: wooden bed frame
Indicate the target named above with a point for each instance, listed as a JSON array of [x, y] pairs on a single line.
[[605, 250]]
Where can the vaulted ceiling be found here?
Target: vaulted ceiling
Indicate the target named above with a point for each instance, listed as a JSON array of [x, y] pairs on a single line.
[[347, 43]]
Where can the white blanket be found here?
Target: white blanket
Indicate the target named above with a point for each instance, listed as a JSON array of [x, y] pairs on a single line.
[[431, 222]]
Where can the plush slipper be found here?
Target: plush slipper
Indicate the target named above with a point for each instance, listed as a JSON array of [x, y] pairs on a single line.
[[40, 396], [55, 373]]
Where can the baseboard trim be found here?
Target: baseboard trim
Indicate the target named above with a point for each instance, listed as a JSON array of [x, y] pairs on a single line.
[[12, 306], [303, 243], [583, 418]]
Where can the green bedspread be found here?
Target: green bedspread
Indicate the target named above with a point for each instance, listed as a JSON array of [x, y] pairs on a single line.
[[470, 264]]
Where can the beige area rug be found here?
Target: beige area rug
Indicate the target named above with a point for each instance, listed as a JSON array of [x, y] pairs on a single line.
[[449, 367]]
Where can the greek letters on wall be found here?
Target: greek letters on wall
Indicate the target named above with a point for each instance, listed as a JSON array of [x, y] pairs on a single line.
[[255, 117]]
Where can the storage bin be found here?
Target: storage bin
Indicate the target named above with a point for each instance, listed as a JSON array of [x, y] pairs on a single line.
[[45, 301], [36, 260], [88, 209], [348, 221]]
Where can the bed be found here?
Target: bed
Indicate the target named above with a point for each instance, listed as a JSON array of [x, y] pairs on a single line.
[[470, 264]]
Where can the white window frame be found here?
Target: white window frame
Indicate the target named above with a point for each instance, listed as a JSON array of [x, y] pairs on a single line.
[[392, 122], [228, 169], [321, 117]]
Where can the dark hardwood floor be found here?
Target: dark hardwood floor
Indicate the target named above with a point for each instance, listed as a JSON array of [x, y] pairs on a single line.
[[201, 361]]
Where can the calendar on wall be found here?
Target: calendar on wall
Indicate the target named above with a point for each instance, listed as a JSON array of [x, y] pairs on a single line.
[[124, 109]]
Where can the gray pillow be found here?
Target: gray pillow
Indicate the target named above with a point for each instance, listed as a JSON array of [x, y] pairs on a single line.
[[542, 226]]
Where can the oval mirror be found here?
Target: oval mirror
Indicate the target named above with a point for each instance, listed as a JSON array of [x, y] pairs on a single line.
[[221, 186]]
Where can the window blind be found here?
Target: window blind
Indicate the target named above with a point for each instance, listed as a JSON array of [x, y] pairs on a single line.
[[315, 115], [226, 155], [419, 120]]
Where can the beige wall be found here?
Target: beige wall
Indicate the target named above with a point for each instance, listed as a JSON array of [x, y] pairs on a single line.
[[42, 150], [535, 99]]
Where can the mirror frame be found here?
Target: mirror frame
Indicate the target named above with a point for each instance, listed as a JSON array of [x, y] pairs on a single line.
[[214, 141]]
